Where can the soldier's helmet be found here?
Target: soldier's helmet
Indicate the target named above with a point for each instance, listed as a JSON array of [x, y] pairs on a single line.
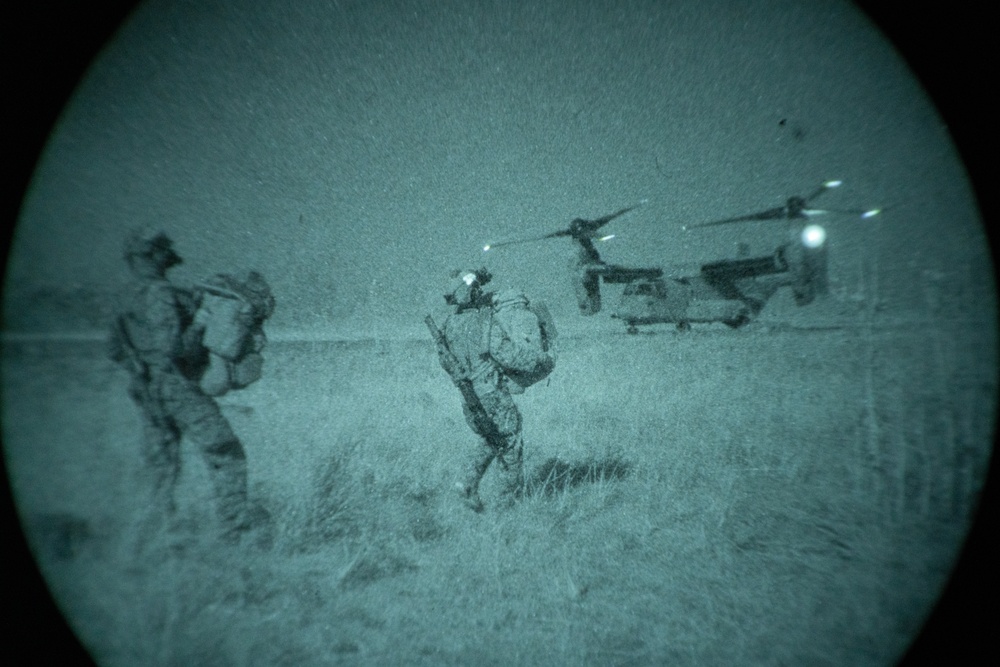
[[144, 242], [259, 293], [465, 286]]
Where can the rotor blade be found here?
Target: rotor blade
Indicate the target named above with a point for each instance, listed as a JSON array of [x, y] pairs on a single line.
[[600, 222], [578, 228], [581, 228], [770, 214], [829, 185], [490, 246], [861, 213], [794, 204]]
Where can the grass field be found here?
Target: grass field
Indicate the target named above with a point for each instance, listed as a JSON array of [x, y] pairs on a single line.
[[766, 496]]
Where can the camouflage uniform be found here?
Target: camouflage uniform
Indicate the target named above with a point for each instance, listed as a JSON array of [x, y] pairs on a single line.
[[152, 336], [485, 348]]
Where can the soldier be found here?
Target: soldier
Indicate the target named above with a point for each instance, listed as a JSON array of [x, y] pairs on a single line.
[[492, 345], [154, 336]]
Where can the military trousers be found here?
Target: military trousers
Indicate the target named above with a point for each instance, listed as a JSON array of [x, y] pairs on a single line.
[[502, 444], [174, 407]]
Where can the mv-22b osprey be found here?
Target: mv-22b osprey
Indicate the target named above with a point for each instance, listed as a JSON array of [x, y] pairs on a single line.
[[731, 291]]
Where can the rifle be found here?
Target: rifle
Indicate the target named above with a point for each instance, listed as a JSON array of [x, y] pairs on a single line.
[[460, 377], [123, 342]]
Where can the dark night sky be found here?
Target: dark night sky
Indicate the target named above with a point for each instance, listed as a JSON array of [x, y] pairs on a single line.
[[356, 152]]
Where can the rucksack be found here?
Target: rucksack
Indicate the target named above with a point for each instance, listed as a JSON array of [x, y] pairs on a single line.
[[527, 326], [231, 315]]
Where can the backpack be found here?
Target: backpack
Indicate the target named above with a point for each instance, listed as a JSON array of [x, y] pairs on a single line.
[[231, 315], [528, 342]]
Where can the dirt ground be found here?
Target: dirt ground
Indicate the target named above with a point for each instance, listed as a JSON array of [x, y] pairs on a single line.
[[773, 495]]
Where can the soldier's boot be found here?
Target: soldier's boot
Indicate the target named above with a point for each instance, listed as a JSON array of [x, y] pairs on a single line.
[[228, 471], [511, 463], [162, 468], [164, 492], [469, 496], [159, 518], [261, 529], [469, 489]]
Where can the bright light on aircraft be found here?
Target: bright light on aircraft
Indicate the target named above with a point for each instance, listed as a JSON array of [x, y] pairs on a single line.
[[813, 236]]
